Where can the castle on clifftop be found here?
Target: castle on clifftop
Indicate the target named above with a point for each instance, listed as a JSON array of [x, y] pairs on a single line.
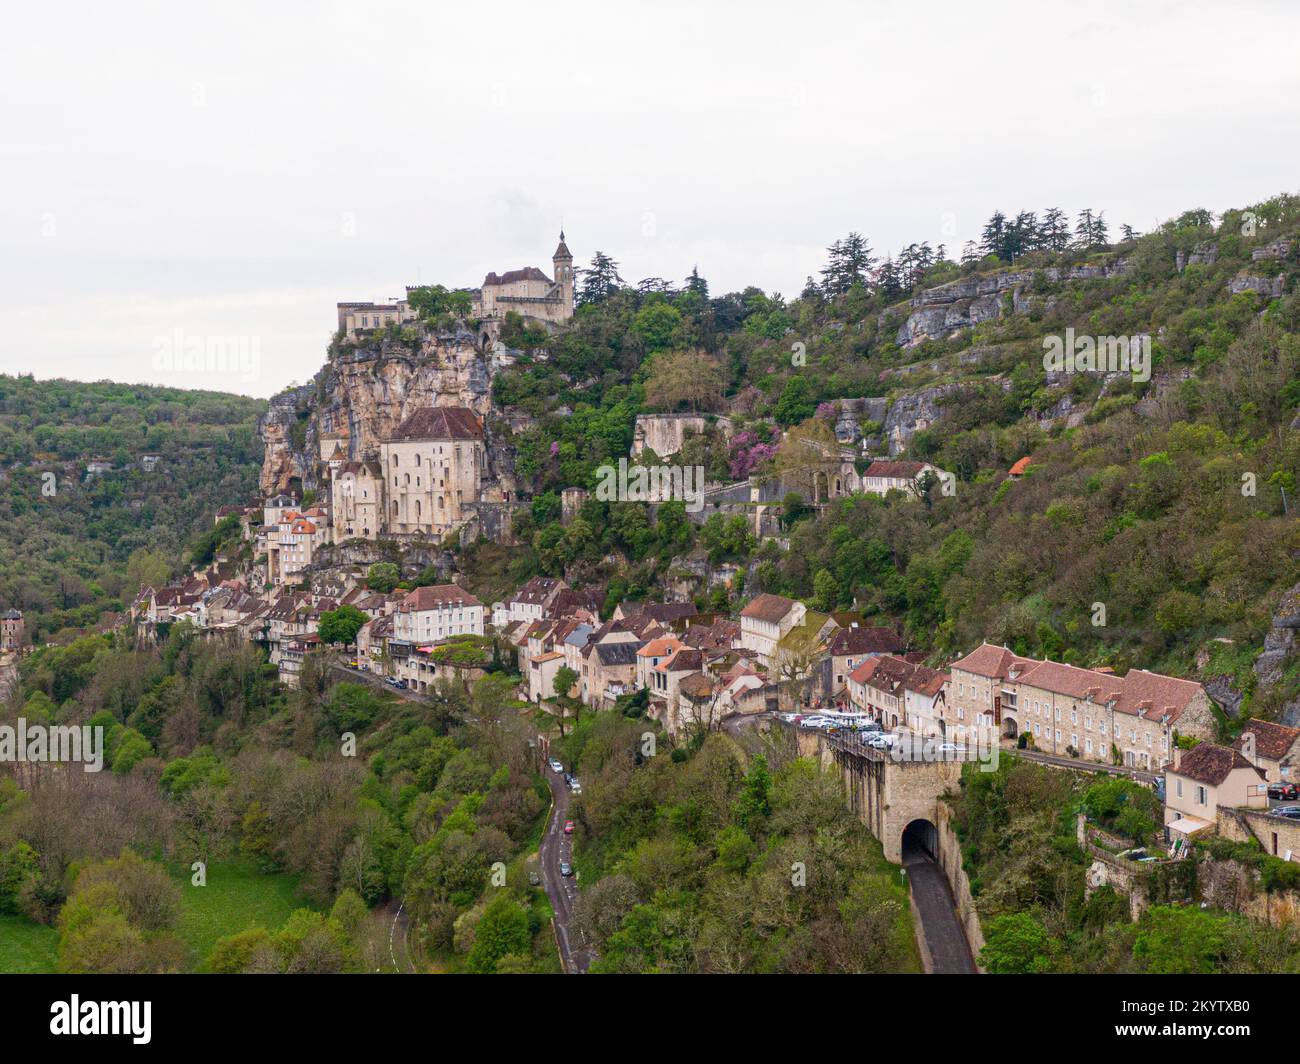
[[528, 292]]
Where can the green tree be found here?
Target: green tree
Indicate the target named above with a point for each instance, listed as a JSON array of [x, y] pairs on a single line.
[[796, 402], [565, 679], [502, 930], [342, 625], [1015, 944], [383, 577]]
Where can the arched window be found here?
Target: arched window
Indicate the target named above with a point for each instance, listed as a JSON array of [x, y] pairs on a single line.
[[394, 461], [408, 478], [394, 507], [417, 509], [440, 502]]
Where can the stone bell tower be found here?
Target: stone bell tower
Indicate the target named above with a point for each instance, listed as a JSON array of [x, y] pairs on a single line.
[[562, 260]]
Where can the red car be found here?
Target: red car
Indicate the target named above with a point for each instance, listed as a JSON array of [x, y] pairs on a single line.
[[1286, 791], [568, 827]]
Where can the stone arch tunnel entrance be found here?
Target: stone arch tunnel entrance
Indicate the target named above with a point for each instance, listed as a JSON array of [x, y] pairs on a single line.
[[920, 842]]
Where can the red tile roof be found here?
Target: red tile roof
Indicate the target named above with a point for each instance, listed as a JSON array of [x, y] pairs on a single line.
[[1208, 763], [440, 423], [769, 608], [437, 597], [865, 641], [894, 470], [1273, 741]]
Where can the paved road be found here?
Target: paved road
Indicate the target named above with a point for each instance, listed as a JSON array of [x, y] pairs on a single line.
[[562, 890], [1080, 765], [398, 930], [945, 938]]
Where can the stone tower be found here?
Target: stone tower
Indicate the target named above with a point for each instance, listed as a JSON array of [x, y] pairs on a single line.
[[562, 260]]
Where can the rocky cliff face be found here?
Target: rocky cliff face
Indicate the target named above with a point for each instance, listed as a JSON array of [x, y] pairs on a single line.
[[1279, 644], [363, 393], [283, 459], [965, 303]]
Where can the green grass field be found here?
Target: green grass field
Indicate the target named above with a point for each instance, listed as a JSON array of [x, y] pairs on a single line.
[[26, 947], [236, 898]]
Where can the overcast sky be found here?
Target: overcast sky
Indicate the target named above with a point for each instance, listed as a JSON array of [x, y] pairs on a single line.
[[168, 175]]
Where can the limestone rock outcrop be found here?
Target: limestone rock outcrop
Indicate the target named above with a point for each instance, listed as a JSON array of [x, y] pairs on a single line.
[[965, 303], [363, 393], [1280, 642]]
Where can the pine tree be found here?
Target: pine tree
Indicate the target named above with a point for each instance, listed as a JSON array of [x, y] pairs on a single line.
[[970, 252], [1022, 235], [995, 233], [1054, 233], [697, 284], [849, 262], [1083, 228], [1100, 236], [599, 281], [889, 282]]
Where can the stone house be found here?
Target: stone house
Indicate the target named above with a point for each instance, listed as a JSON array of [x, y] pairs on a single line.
[[612, 672], [652, 654], [925, 694], [529, 603], [883, 476], [1275, 748], [765, 621], [1198, 782], [432, 465], [356, 500], [849, 647], [876, 687], [434, 614], [1092, 714], [355, 317], [11, 630], [541, 674]]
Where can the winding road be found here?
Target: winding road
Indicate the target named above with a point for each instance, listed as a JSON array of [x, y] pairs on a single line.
[[556, 846]]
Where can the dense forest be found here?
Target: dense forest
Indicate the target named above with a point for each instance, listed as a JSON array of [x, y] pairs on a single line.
[[438, 803], [78, 543]]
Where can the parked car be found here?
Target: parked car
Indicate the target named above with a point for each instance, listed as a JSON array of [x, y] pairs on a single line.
[[555, 765], [1283, 790], [575, 787], [566, 869], [1291, 812], [568, 827]]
